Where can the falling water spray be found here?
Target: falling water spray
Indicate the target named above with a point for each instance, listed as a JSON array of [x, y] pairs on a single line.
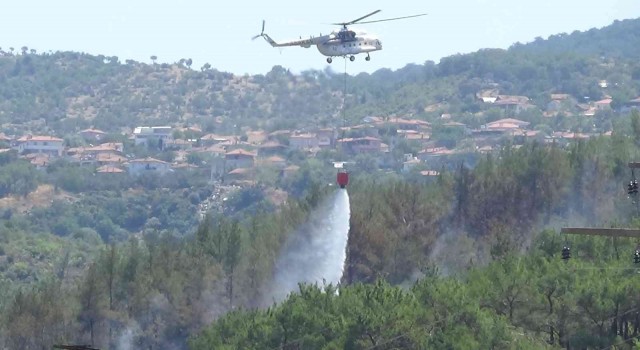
[[316, 252]]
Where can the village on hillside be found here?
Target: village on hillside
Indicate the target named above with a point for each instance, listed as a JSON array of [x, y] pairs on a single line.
[[238, 159]]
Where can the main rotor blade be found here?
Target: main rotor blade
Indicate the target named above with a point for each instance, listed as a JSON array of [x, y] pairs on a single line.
[[393, 19], [357, 20]]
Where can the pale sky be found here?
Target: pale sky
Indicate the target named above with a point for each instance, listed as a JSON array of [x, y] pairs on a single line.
[[219, 32]]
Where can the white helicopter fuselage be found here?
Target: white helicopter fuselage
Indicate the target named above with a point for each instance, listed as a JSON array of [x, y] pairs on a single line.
[[338, 43], [362, 43], [344, 43]]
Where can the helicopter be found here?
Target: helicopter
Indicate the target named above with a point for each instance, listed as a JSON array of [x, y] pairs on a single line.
[[341, 43]]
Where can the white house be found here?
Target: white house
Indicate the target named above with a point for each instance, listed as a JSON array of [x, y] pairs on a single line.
[[40, 144], [146, 134], [410, 164]]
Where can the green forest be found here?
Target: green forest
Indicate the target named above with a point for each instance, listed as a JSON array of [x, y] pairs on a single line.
[[461, 262], [468, 259]]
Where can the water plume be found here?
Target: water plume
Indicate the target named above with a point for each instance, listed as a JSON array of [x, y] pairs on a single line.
[[316, 252]]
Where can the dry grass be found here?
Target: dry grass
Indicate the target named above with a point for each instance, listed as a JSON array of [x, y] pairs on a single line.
[[43, 196]]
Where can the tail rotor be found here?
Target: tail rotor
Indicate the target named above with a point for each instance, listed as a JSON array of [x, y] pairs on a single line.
[[261, 33]]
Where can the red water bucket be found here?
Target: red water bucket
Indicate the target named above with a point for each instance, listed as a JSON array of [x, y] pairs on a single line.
[[342, 179]]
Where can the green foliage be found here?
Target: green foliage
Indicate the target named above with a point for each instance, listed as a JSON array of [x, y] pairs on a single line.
[[166, 286], [113, 215], [18, 178], [469, 221], [364, 317], [249, 199]]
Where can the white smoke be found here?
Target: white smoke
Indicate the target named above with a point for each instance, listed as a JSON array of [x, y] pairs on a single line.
[[316, 252], [127, 337]]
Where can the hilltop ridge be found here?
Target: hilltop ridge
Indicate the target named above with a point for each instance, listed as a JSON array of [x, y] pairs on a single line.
[[67, 91]]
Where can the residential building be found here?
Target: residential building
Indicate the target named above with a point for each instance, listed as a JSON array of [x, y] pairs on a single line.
[[108, 169], [515, 104], [49, 145], [270, 148], [326, 137], [362, 145], [39, 160], [560, 102], [178, 144], [506, 124], [404, 124], [457, 125], [109, 147], [303, 141], [110, 159], [144, 135], [148, 165], [239, 158], [362, 130], [240, 174], [276, 135], [410, 164], [433, 153], [92, 135], [603, 105], [213, 139], [488, 96]]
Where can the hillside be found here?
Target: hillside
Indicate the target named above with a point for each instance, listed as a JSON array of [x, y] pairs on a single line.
[[617, 40], [67, 91], [181, 258]]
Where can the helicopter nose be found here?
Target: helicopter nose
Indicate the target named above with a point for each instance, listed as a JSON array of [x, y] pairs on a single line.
[[379, 44]]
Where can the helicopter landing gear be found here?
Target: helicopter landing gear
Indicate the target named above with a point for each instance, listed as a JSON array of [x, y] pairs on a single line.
[[329, 60], [368, 58], [352, 58]]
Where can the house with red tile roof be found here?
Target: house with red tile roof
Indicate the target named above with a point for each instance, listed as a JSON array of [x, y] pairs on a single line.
[[108, 169], [505, 124], [514, 103], [239, 158], [49, 145], [240, 174], [271, 148], [214, 139], [110, 159], [604, 104], [362, 145], [434, 152], [303, 141], [92, 135], [404, 124]]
